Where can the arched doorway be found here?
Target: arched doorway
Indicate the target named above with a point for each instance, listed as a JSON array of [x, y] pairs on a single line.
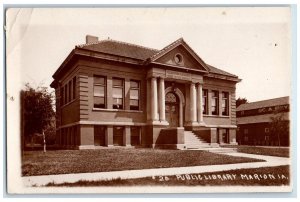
[[172, 109]]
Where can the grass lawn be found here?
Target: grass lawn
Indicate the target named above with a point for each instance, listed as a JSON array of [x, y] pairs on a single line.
[[83, 161], [269, 151], [269, 176]]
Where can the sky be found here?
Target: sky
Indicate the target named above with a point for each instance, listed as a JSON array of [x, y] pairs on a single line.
[[253, 43]]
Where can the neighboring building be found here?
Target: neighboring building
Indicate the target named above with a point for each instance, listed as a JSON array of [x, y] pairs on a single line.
[[255, 124], [111, 93]]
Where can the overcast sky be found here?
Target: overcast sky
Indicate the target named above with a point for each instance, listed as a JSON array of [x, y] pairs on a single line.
[[253, 43]]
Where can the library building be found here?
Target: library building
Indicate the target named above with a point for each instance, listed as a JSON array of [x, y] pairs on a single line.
[[117, 94]]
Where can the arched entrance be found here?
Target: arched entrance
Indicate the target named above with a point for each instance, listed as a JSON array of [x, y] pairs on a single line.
[[172, 109]]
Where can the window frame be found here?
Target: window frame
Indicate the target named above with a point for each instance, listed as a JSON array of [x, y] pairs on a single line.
[[267, 130], [66, 94], [215, 96], [70, 91], [62, 90], [133, 107], [225, 97], [122, 87], [205, 101], [74, 87], [105, 91]]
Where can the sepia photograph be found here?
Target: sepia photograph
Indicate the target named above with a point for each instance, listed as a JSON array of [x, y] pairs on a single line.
[[149, 99]]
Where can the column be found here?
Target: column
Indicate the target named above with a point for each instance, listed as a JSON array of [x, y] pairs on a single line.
[[154, 99], [193, 109], [127, 136], [161, 92], [199, 103], [109, 138]]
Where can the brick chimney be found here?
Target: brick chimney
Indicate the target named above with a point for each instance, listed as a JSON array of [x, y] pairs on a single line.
[[91, 39]]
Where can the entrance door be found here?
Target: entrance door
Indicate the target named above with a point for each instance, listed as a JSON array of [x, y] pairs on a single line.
[[172, 110]]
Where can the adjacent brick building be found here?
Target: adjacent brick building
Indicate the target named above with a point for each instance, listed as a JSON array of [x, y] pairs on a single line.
[[255, 125], [111, 93]]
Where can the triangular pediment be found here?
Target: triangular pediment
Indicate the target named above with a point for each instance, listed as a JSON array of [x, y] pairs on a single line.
[[179, 54]]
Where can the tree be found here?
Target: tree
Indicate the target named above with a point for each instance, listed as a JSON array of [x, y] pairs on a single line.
[[240, 101], [279, 126], [37, 111]]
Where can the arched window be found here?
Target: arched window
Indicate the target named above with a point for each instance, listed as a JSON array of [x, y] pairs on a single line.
[[170, 97]]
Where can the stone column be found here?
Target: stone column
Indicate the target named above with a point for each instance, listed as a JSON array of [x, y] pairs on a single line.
[[127, 136], [154, 99], [161, 92], [109, 137], [199, 104], [193, 108]]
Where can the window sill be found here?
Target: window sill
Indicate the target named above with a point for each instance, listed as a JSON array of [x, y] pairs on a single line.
[[117, 110]]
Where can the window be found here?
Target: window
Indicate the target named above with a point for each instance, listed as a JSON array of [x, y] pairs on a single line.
[[75, 135], [66, 96], [118, 135], [99, 135], [99, 91], [267, 137], [204, 102], [223, 135], [134, 95], [70, 93], [246, 131], [135, 135], [178, 58], [118, 92], [225, 103], [71, 142], [62, 96], [74, 87], [214, 102], [267, 130]]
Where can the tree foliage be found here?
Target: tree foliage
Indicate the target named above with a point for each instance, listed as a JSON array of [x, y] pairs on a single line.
[[279, 126], [240, 101], [38, 114]]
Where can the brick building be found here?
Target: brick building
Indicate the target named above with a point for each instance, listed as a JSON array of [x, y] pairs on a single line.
[[111, 93], [255, 122]]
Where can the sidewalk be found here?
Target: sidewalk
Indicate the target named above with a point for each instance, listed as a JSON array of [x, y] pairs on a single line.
[[270, 161]]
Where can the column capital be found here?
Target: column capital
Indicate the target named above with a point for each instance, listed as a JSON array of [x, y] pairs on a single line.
[[152, 77]]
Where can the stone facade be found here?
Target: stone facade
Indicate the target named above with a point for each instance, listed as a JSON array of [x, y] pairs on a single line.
[[111, 93]]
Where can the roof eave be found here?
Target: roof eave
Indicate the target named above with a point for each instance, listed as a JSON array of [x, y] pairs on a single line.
[[224, 77], [66, 61], [107, 56]]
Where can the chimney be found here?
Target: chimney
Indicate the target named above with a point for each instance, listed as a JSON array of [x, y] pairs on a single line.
[[91, 39]]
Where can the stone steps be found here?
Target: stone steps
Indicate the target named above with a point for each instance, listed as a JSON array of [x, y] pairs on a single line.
[[194, 142]]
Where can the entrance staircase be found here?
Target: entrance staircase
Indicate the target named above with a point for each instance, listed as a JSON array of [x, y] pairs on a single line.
[[195, 142]]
